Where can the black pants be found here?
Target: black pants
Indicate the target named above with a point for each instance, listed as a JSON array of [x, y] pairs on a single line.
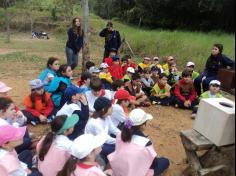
[[180, 103], [106, 54], [162, 101], [159, 165], [26, 143]]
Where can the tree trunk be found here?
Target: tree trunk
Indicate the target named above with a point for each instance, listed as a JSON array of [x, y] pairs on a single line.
[[85, 50], [7, 25]]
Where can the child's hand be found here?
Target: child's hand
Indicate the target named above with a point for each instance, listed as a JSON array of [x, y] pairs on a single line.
[[83, 100], [108, 172], [42, 118], [167, 94]]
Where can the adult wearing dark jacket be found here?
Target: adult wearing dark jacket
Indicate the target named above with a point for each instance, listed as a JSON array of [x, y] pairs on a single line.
[[112, 39], [215, 62], [74, 42]]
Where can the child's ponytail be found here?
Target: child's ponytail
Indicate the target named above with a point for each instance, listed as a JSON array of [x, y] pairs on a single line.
[[127, 131], [56, 125], [69, 167]]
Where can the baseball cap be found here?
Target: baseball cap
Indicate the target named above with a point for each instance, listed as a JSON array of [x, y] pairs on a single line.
[[147, 58], [156, 58], [122, 94], [9, 133], [130, 70], [115, 58], [139, 117], [104, 65], [69, 123], [94, 69], [36, 83], [215, 82], [4, 88], [71, 91], [85, 144], [101, 103], [189, 64]]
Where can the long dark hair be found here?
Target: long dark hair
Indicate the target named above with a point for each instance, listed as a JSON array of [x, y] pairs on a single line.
[[62, 69], [5, 103], [33, 96], [51, 60], [127, 133], [77, 30], [70, 166], [56, 125]]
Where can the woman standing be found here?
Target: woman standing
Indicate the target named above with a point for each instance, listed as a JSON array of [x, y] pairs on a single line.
[[215, 62], [74, 42]]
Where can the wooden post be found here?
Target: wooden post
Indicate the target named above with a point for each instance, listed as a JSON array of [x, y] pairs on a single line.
[[85, 50]]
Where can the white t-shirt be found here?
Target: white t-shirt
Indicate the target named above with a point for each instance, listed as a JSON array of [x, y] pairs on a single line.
[[118, 115], [3, 122], [91, 98], [68, 109], [62, 142], [102, 126]]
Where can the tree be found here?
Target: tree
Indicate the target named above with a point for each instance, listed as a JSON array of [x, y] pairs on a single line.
[[85, 50]]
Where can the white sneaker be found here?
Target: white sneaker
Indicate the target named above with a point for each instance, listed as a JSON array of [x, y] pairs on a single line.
[[193, 116]]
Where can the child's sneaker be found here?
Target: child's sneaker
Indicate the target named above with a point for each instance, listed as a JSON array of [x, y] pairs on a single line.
[[33, 123], [154, 102], [193, 116]]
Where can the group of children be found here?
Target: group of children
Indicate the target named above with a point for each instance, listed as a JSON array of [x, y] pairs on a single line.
[[93, 131]]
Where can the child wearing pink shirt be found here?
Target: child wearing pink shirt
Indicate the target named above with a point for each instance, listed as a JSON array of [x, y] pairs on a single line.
[[83, 155]]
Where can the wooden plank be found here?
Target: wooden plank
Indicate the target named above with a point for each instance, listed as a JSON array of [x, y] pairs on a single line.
[[206, 171], [196, 140]]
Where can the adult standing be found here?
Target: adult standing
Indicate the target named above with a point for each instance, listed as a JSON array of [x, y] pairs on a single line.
[[74, 42], [112, 39], [215, 62]]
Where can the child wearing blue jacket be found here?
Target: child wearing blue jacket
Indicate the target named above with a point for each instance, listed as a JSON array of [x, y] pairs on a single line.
[[48, 74]]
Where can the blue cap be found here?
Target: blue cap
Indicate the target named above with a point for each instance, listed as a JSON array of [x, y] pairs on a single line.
[[115, 58], [71, 91]]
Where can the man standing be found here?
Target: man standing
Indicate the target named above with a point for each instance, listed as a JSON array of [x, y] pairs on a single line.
[[112, 39]]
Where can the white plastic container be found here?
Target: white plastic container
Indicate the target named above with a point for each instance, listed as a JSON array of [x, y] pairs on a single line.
[[216, 121]]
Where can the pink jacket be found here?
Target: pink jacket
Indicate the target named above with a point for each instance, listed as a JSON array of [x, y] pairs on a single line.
[[86, 170], [9, 163], [131, 159], [54, 161]]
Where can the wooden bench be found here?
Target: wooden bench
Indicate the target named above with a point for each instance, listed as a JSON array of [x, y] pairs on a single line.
[[227, 79], [194, 142]]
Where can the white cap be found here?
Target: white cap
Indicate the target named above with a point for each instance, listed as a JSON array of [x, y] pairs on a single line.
[[85, 144], [215, 82], [139, 117], [147, 58], [104, 65], [130, 70], [94, 70], [190, 64]]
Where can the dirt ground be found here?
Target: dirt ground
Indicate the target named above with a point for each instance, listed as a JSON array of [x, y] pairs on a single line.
[[163, 130]]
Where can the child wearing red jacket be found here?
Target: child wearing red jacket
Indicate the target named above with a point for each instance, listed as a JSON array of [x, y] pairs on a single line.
[[39, 106], [127, 62], [116, 69], [184, 92]]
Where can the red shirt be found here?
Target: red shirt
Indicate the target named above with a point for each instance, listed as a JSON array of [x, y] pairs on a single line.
[[131, 64], [116, 72], [109, 61]]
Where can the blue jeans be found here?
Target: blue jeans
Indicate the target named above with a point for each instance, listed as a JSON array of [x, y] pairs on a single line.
[[205, 84], [72, 58], [159, 165]]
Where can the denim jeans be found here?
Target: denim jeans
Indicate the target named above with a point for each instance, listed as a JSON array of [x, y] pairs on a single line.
[[72, 58]]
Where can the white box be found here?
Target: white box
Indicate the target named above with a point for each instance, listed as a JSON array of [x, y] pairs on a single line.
[[215, 121]]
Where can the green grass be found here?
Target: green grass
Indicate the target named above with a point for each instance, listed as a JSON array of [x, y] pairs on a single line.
[[184, 45]]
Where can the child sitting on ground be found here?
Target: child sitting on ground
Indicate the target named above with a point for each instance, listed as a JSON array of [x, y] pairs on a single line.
[[127, 62], [214, 92], [53, 150], [109, 60], [146, 63], [59, 84], [190, 67], [12, 164], [20, 119], [155, 72], [84, 152], [116, 69], [84, 81], [184, 92], [50, 72], [134, 87], [137, 149], [76, 103], [147, 82], [95, 92], [105, 76], [116, 85], [89, 64], [173, 74], [101, 123], [161, 91], [128, 76], [169, 61], [94, 71], [120, 107], [156, 64], [39, 106]]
